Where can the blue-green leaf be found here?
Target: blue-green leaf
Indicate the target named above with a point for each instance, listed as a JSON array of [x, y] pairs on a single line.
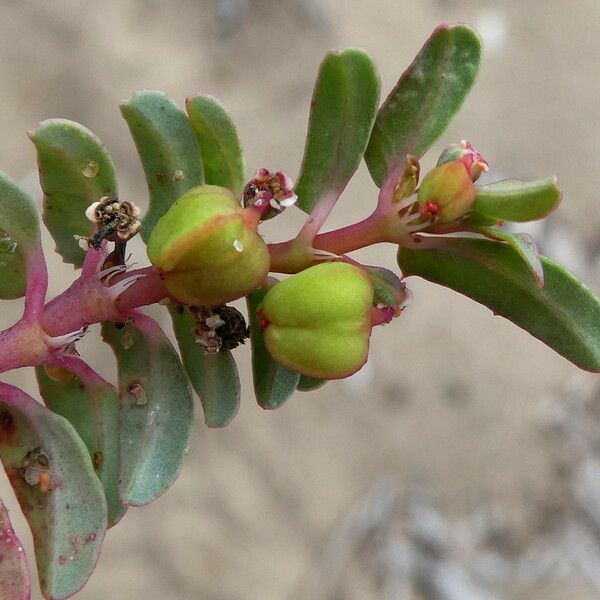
[[168, 149], [222, 155], [214, 377], [156, 409], [423, 102], [564, 314], [342, 113], [511, 200], [75, 171], [61, 497], [91, 405]]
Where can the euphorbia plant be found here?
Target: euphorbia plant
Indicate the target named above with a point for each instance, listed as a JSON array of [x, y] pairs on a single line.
[[91, 450]]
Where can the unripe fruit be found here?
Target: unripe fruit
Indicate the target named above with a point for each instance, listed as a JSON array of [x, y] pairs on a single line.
[[446, 193], [205, 251], [318, 322]]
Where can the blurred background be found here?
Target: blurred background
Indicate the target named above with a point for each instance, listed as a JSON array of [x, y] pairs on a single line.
[[463, 462]]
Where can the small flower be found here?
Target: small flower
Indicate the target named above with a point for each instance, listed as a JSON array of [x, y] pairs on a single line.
[[468, 155], [271, 193]]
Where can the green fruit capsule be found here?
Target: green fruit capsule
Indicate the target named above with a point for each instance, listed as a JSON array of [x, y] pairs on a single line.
[[446, 193], [318, 322], [206, 251]]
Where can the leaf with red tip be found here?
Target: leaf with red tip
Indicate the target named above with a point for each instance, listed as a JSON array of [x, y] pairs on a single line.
[[518, 201], [14, 570], [423, 102], [168, 149], [60, 495], [91, 405], [342, 112], [214, 376], [75, 171], [274, 384], [564, 314], [156, 409]]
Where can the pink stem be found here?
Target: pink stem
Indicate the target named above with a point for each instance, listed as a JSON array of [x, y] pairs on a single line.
[[37, 285], [319, 215]]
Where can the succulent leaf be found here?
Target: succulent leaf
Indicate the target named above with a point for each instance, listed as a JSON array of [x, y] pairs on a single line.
[[274, 384], [91, 405], [14, 571], [19, 237], [222, 155], [75, 171], [424, 100], [214, 376], [168, 149], [156, 409], [51, 472], [518, 201], [564, 314], [343, 109]]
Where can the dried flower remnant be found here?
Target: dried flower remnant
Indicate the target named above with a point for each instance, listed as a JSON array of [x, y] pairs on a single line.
[[220, 328], [116, 221], [271, 193]]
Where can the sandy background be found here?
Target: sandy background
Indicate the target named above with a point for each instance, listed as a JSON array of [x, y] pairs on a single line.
[[334, 496]]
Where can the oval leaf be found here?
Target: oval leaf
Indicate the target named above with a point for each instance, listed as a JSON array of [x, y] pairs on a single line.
[[92, 406], [424, 100], [222, 155], [342, 112], [14, 571], [156, 409], [273, 383], [19, 237], [214, 377], [75, 170], [564, 314], [511, 200], [168, 149], [66, 509]]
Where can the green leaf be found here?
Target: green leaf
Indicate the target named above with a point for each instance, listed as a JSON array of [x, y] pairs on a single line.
[[342, 112], [75, 171], [308, 384], [68, 520], [525, 246], [214, 377], [92, 406], [156, 409], [168, 149], [273, 383], [511, 200], [19, 236], [424, 100], [15, 583], [222, 155], [564, 313]]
